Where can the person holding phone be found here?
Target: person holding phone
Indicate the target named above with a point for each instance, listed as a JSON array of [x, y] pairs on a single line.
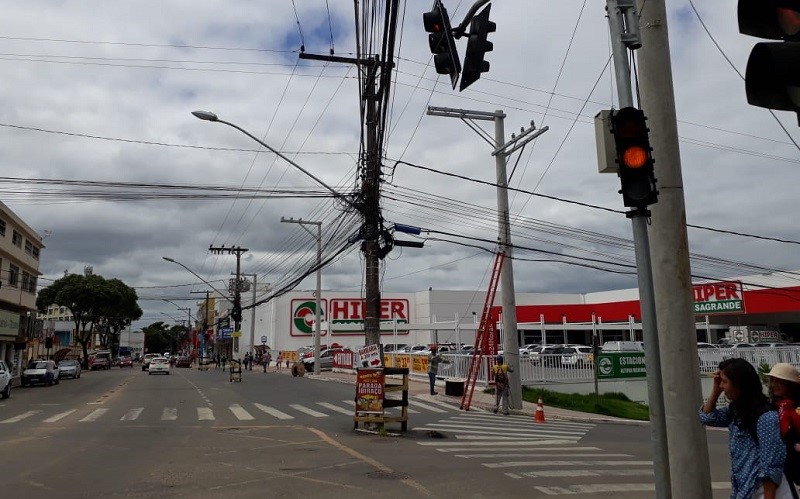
[[756, 449]]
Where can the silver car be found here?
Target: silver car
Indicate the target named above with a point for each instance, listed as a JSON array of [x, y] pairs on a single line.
[[69, 369]]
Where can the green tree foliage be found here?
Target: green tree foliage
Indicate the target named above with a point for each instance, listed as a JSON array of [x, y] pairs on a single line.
[[97, 304], [161, 337]]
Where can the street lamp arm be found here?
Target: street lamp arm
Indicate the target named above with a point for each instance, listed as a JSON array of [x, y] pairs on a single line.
[[172, 260], [209, 116]]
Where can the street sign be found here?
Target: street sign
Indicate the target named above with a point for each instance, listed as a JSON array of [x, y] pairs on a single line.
[[263, 339], [725, 297], [621, 365], [370, 356], [236, 334]]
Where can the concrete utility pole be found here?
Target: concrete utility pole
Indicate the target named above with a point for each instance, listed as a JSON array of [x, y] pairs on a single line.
[[236, 313], [502, 150], [252, 312], [672, 281], [318, 304], [624, 27]]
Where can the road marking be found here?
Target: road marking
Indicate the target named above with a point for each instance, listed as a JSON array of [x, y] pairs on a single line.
[[205, 414], [132, 414], [273, 412], [585, 473], [169, 414], [509, 443], [336, 408], [431, 408], [410, 410], [62, 415], [310, 412], [597, 488], [514, 464], [516, 423], [490, 430], [20, 417], [536, 454], [93, 416], [240, 413]]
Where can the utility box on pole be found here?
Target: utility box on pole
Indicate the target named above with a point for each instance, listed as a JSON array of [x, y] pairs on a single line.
[[604, 138]]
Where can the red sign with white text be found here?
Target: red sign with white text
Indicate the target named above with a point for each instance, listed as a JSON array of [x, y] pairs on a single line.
[[341, 312]]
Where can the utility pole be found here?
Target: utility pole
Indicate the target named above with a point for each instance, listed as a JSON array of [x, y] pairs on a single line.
[[624, 27], [204, 324], [501, 151], [252, 313], [318, 305], [688, 448], [236, 313]]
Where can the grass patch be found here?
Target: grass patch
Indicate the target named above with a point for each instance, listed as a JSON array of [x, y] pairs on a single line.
[[609, 404]]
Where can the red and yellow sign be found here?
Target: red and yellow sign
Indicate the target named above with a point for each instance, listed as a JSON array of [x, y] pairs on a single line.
[[369, 390]]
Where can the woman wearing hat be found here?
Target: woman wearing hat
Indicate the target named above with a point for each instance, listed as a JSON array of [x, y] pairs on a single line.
[[784, 389]]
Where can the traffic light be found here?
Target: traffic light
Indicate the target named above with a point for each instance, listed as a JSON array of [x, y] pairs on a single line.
[[634, 157], [477, 46], [772, 79], [442, 43]]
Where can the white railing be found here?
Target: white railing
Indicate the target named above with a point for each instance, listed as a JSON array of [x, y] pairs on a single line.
[[710, 358]]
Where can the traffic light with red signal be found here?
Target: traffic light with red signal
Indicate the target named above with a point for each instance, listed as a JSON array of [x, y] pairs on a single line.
[[477, 46], [772, 79], [634, 157], [442, 42]]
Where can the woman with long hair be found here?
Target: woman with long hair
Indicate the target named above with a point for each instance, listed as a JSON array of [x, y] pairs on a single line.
[[784, 392], [757, 451]]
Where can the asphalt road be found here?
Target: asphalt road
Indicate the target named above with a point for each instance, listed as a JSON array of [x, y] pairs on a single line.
[[196, 434]]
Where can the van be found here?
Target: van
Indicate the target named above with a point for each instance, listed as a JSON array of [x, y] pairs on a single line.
[[622, 346]]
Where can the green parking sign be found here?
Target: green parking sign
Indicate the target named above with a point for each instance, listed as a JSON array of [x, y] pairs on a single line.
[[621, 365]]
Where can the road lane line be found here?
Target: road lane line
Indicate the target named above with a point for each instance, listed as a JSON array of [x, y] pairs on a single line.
[[132, 415], [240, 413], [585, 473], [169, 414], [336, 408], [273, 412], [503, 430], [22, 416], [597, 488], [431, 408], [508, 443], [535, 454], [205, 414], [310, 412], [62, 415], [510, 464], [410, 410], [93, 416]]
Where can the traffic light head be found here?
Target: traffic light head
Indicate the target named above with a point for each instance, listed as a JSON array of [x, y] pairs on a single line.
[[772, 79], [441, 42], [477, 46], [636, 172]]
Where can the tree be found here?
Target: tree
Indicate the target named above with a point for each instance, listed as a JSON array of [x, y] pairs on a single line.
[[95, 302]]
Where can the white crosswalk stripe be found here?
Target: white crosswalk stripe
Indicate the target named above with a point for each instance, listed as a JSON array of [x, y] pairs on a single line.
[[132, 415], [352, 404], [22, 416], [310, 412], [240, 413], [336, 408], [417, 403], [169, 414], [59, 416], [273, 412], [205, 414], [93, 416]]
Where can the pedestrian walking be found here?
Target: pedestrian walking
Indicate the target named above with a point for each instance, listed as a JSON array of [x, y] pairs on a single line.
[[223, 360], [784, 390], [434, 360], [278, 361], [246, 360], [756, 449], [501, 384]]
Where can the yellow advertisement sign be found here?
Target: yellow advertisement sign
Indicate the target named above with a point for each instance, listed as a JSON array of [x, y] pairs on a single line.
[[420, 364]]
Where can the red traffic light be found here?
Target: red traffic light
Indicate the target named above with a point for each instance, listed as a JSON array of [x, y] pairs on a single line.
[[634, 157]]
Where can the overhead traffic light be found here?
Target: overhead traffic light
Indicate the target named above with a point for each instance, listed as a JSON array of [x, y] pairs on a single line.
[[636, 172], [477, 46], [442, 43], [772, 79]]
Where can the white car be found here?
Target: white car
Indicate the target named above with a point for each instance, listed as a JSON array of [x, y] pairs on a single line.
[[40, 371], [159, 365], [5, 380], [576, 356]]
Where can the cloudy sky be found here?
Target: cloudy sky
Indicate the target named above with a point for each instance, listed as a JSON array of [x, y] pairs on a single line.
[[102, 92]]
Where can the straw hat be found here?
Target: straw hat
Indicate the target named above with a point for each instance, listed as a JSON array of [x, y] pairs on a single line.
[[785, 371]]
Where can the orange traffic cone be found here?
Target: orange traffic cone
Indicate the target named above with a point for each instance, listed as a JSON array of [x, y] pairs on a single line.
[[539, 414]]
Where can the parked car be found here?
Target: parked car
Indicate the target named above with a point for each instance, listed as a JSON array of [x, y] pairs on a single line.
[[394, 347], [701, 345], [40, 371], [525, 350], [159, 365], [146, 360], [69, 369], [545, 353], [5, 380], [99, 362], [183, 361], [125, 362], [622, 346], [742, 345], [325, 359], [576, 356]]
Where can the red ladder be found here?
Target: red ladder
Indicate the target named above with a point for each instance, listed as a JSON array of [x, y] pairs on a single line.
[[485, 337]]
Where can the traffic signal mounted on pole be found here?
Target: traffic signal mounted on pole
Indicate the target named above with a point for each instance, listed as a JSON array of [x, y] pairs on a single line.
[[442, 43], [477, 46], [772, 79], [636, 172]]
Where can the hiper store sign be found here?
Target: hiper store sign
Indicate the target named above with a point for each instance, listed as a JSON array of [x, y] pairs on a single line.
[[343, 311], [718, 298]]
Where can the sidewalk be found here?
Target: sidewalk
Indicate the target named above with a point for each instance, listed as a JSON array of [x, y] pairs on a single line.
[[419, 389]]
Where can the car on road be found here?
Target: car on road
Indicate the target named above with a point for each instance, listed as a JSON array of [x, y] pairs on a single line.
[[183, 361], [69, 369], [40, 371], [97, 362], [5, 380], [125, 362], [325, 362], [146, 360], [159, 365]]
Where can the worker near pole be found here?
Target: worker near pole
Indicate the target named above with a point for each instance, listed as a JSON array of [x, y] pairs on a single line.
[[501, 384]]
